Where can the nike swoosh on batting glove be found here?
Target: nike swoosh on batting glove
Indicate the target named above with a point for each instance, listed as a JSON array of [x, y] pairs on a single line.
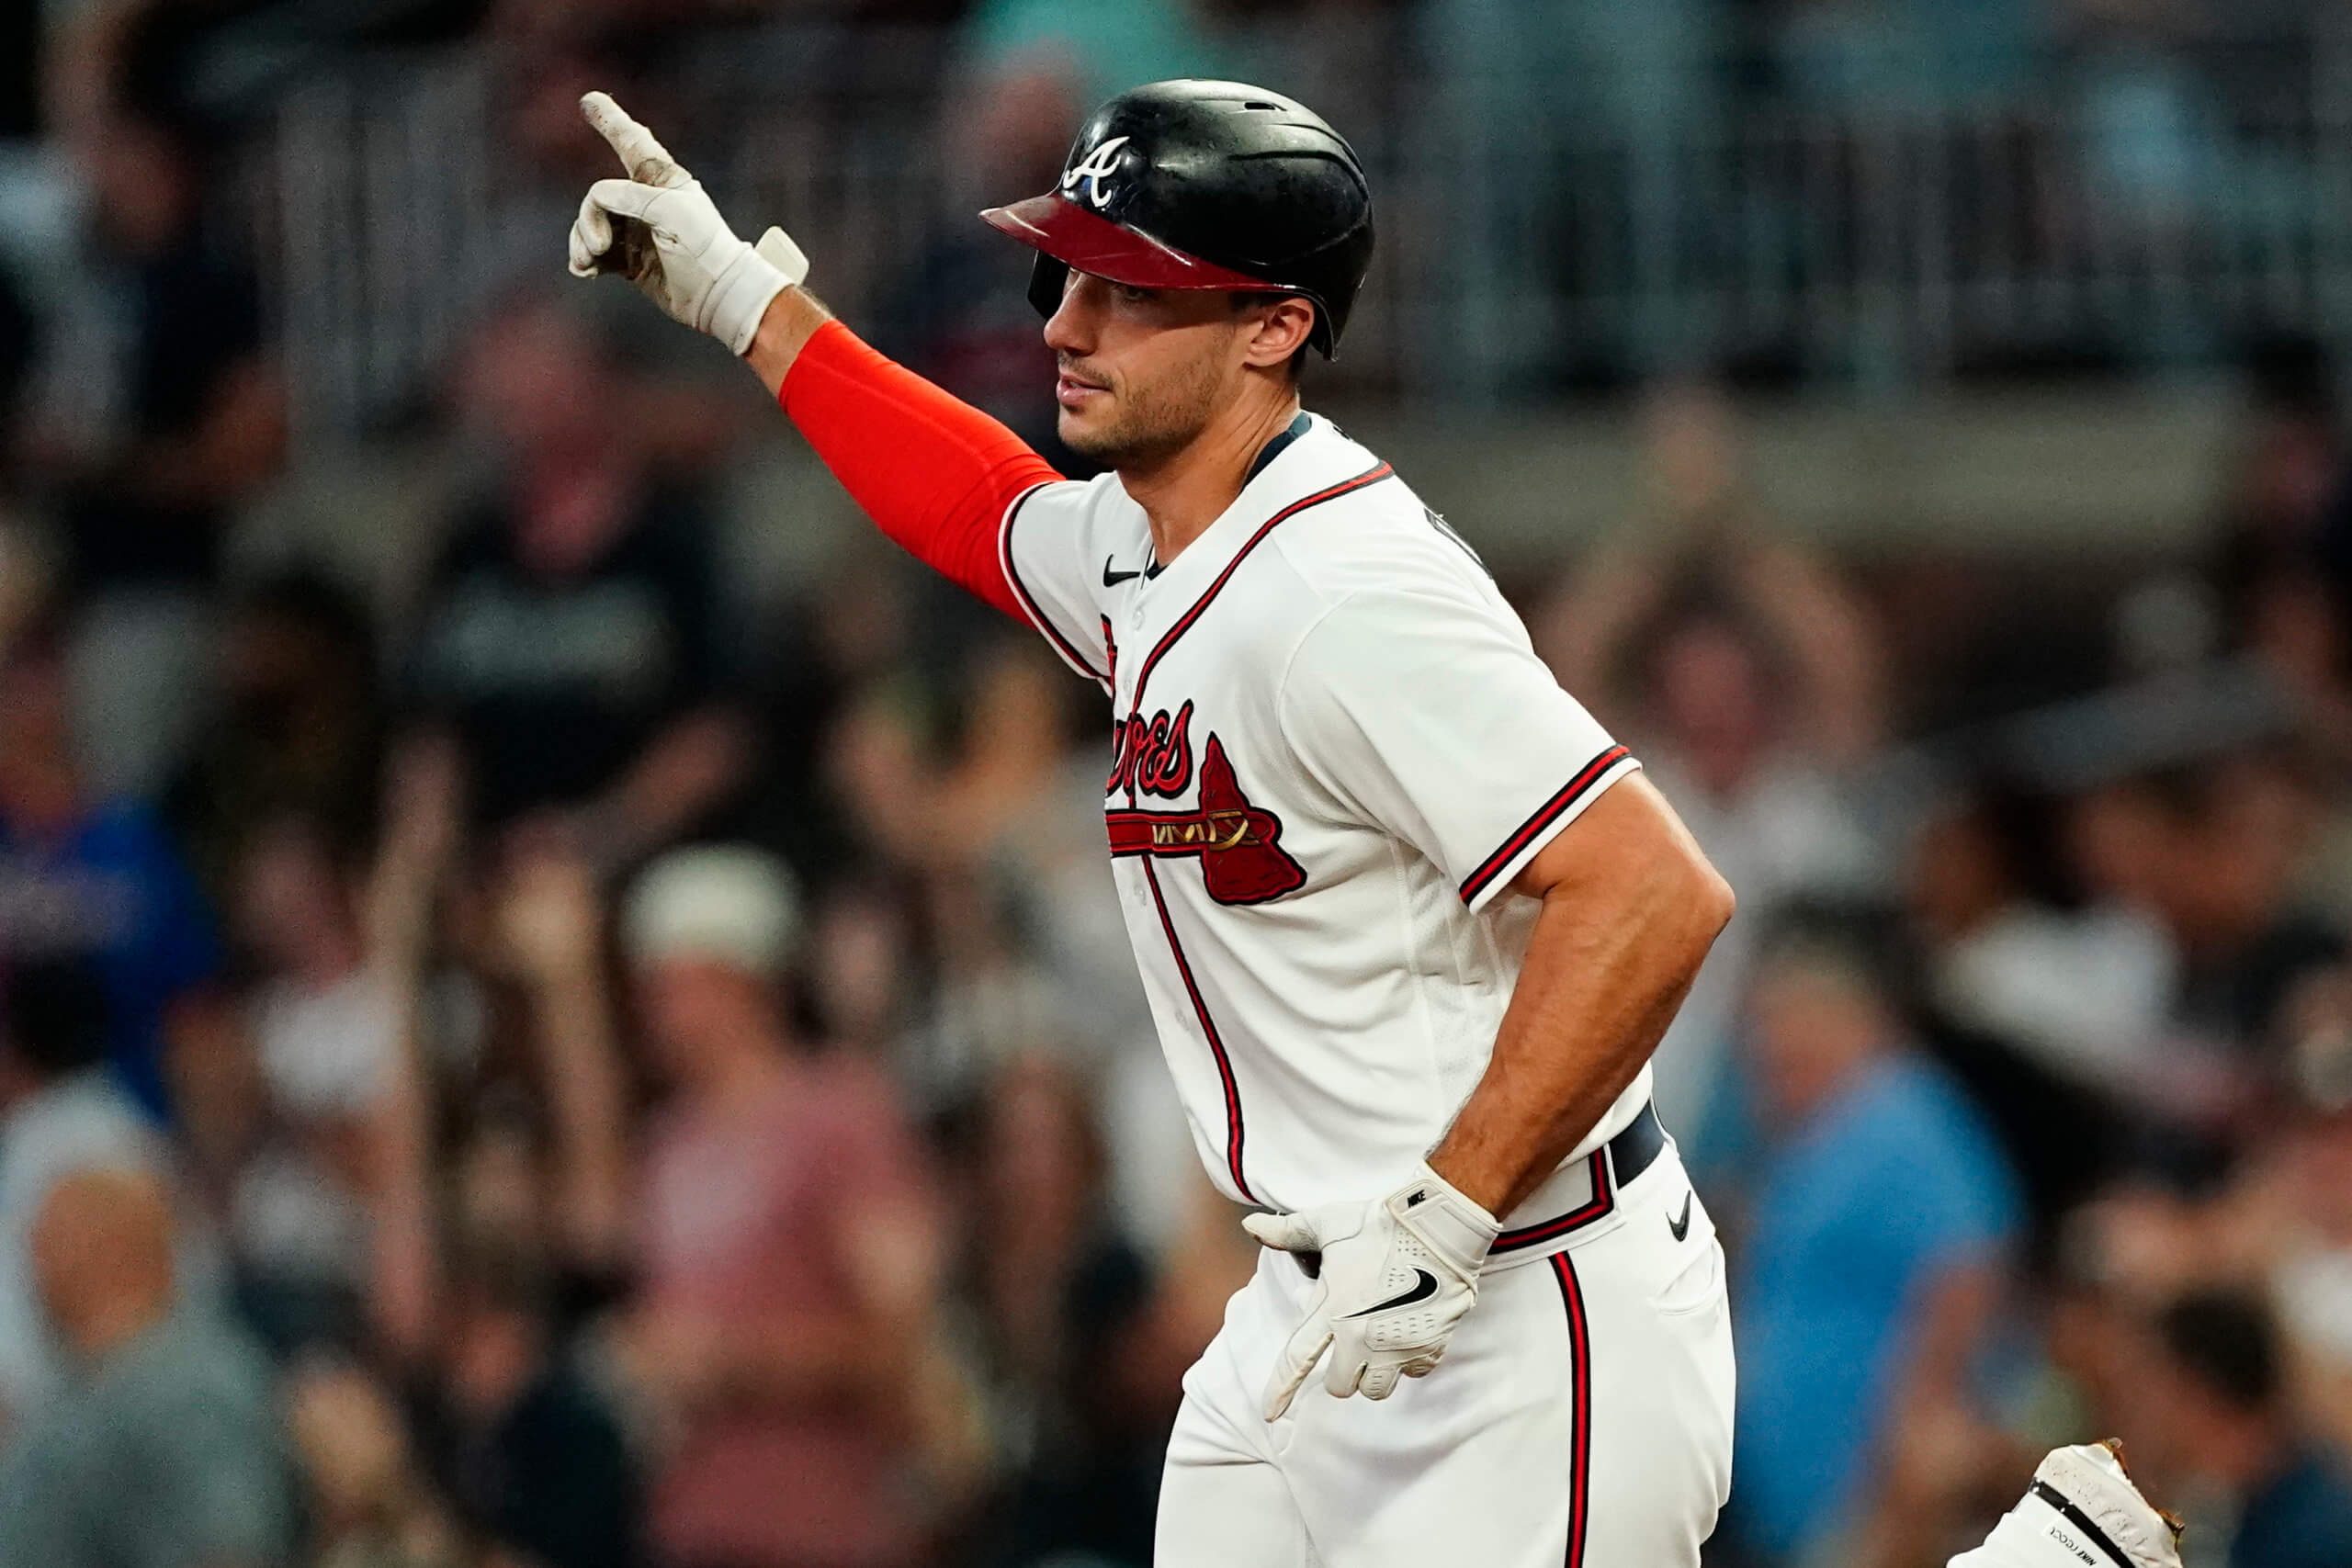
[[1392, 1277], [660, 229]]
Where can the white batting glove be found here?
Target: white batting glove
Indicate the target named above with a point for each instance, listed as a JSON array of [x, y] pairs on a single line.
[[2082, 1508], [1392, 1278], [659, 230]]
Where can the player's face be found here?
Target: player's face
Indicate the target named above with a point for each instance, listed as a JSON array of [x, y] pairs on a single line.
[[1143, 370]]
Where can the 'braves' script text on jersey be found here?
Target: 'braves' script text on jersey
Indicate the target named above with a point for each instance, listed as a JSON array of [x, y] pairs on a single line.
[[1333, 748]]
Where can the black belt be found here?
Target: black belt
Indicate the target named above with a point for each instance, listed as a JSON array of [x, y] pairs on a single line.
[[1630, 1153]]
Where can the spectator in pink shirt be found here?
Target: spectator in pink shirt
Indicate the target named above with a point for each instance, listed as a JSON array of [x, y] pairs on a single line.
[[788, 1246]]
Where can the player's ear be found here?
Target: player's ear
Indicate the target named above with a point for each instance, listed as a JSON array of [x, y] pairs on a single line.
[[1280, 331]]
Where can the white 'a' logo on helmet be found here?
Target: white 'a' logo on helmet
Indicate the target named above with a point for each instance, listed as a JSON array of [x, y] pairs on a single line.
[[1093, 169]]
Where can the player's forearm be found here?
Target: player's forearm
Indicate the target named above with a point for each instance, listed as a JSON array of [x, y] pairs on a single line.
[[1594, 1000], [1626, 921], [792, 319], [935, 473]]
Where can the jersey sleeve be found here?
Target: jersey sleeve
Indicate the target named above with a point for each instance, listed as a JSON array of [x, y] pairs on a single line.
[[1049, 558], [1428, 714]]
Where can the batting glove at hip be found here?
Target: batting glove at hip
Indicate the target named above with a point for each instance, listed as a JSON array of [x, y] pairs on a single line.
[[1392, 1279], [659, 230]]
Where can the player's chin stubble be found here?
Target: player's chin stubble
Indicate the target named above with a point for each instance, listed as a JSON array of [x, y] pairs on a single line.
[[1149, 422]]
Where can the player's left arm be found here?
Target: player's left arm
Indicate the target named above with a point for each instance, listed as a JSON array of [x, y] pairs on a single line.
[[1422, 709], [1630, 908]]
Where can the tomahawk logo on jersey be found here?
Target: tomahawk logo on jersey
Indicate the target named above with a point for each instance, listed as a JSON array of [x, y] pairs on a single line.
[[1332, 748]]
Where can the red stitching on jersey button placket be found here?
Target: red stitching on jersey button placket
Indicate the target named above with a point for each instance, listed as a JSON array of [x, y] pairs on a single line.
[[1216, 1042], [1233, 1123]]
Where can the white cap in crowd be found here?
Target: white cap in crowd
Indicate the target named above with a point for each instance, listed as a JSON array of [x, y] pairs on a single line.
[[721, 903]]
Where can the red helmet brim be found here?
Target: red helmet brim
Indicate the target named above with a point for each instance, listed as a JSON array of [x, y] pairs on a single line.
[[1085, 241]]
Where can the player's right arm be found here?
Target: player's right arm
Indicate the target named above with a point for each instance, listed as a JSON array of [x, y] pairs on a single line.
[[936, 474]]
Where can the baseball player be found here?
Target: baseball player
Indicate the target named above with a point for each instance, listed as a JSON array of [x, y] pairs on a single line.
[[1409, 922]]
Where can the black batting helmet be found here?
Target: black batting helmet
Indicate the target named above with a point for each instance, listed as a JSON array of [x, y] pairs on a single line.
[[1205, 185]]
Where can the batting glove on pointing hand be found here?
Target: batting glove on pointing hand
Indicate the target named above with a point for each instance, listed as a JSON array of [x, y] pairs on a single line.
[[659, 230], [1392, 1278]]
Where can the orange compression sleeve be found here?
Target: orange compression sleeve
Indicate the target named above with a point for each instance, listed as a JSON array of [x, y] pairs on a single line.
[[935, 473]]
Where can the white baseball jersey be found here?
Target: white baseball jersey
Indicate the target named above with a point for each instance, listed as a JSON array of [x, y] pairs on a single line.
[[1334, 749]]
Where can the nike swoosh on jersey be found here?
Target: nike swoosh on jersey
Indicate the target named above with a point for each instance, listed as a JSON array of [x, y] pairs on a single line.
[[1424, 1286], [1113, 578], [1680, 1226]]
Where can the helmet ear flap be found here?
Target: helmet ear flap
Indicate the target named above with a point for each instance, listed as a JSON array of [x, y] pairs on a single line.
[[1047, 278], [1320, 336]]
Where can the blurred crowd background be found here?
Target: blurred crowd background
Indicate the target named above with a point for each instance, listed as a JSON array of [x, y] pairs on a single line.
[[561, 1006]]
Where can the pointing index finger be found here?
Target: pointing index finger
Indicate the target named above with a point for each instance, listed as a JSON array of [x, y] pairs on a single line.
[[646, 161]]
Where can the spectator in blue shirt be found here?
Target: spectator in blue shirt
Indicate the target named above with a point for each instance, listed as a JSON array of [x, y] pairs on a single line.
[[1874, 1248], [97, 878]]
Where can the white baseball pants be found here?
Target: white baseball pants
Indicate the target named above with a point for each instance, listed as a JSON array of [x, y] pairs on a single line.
[[1582, 1417]]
